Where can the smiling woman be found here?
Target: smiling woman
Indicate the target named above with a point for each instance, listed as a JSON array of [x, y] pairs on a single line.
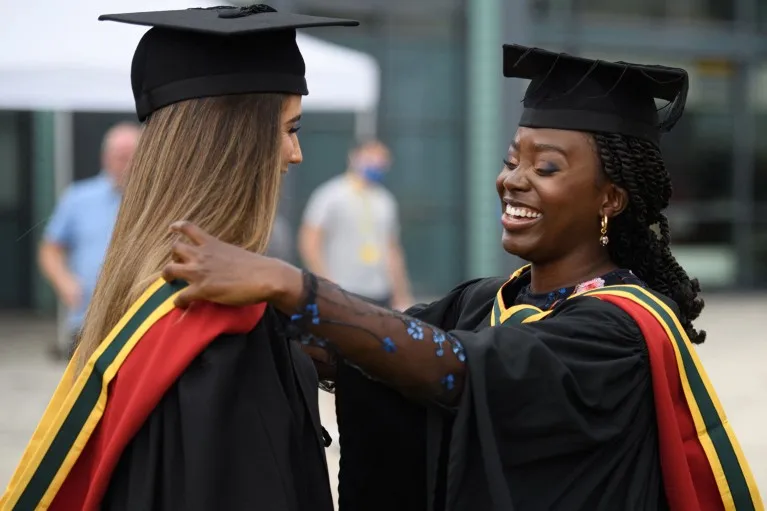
[[573, 385], [553, 178]]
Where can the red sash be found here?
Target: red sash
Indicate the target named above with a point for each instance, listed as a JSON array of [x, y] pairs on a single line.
[[92, 417]]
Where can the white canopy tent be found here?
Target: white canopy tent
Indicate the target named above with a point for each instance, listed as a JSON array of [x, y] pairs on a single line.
[[65, 59]]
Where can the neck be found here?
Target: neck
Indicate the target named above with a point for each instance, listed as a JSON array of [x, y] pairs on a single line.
[[356, 179], [110, 178], [569, 271]]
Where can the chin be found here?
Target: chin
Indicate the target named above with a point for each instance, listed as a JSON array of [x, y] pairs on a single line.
[[518, 246]]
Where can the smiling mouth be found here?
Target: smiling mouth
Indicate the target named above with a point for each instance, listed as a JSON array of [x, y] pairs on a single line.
[[516, 218], [522, 213]]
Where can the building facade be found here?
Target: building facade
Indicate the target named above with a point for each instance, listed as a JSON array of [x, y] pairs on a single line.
[[718, 169]]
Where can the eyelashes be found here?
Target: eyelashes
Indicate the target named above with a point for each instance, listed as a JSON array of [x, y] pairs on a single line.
[[546, 169]]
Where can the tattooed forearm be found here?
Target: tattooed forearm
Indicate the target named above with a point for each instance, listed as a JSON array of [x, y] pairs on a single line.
[[419, 359]]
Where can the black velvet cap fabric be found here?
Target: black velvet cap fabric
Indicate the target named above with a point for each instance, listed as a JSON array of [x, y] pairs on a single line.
[[581, 94], [203, 52]]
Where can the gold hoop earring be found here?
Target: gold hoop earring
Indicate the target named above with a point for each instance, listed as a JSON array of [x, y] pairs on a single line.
[[604, 240]]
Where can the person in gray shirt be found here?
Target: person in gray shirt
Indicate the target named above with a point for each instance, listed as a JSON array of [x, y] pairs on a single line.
[[350, 231]]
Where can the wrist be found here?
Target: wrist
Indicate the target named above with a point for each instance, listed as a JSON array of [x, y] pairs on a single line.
[[288, 288]]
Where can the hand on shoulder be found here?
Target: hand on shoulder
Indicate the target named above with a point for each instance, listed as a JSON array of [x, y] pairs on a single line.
[[223, 273]]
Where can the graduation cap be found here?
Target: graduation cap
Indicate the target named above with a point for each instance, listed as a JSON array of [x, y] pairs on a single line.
[[217, 51], [575, 93]]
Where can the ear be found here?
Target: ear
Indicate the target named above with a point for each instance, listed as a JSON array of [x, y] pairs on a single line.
[[615, 201]]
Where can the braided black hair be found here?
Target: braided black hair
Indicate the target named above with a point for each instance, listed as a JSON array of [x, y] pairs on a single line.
[[639, 238]]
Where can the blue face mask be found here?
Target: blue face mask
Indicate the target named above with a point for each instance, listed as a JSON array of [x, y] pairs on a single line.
[[373, 173]]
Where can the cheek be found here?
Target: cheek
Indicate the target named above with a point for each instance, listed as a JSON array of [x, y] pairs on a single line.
[[286, 147], [556, 196], [566, 200]]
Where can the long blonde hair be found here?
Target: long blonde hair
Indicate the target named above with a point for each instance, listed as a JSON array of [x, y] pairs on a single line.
[[212, 161]]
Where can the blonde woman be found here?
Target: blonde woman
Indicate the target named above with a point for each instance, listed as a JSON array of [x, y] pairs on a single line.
[[210, 408]]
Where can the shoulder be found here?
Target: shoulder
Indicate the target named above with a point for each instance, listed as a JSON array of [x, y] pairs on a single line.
[[326, 194], [466, 303], [86, 189], [475, 290], [627, 298], [481, 289], [385, 195], [95, 184], [592, 317], [331, 187], [613, 312]]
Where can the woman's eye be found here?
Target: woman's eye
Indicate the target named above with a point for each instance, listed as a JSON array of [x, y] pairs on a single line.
[[510, 164], [547, 168]]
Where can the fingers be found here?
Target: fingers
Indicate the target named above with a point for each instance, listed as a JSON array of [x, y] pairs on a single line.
[[176, 271], [191, 231], [184, 298], [182, 252]]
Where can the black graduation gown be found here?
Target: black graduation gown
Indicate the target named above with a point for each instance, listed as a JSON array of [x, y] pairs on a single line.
[[240, 429], [555, 415]]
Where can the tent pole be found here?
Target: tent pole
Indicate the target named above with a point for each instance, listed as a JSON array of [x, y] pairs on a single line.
[[63, 159]]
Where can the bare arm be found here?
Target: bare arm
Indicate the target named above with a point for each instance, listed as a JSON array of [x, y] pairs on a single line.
[[310, 246], [52, 259]]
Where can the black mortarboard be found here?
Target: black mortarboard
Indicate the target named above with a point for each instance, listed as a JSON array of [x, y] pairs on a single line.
[[217, 51], [574, 93]]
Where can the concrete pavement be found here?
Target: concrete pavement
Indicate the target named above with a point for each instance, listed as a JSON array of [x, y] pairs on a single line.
[[735, 357]]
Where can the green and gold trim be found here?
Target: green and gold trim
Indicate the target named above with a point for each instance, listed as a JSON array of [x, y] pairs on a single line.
[[79, 403], [734, 478], [501, 314]]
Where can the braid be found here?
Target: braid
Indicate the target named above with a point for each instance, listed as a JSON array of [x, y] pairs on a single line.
[[640, 238]]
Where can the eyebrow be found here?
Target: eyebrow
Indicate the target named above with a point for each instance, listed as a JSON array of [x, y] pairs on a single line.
[[539, 148], [294, 119]]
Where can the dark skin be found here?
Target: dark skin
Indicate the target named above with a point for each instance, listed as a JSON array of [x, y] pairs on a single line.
[[555, 173]]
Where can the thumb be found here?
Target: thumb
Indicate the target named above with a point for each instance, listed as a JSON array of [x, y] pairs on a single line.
[[185, 298]]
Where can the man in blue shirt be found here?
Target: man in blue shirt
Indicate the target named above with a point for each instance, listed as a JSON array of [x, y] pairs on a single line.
[[79, 231]]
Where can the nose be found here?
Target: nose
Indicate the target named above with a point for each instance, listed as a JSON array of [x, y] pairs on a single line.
[[296, 156], [515, 180]]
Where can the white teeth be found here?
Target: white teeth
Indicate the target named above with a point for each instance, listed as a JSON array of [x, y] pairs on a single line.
[[521, 212]]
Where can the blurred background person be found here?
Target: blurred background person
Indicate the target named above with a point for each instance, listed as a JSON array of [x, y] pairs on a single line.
[[78, 232], [350, 230]]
